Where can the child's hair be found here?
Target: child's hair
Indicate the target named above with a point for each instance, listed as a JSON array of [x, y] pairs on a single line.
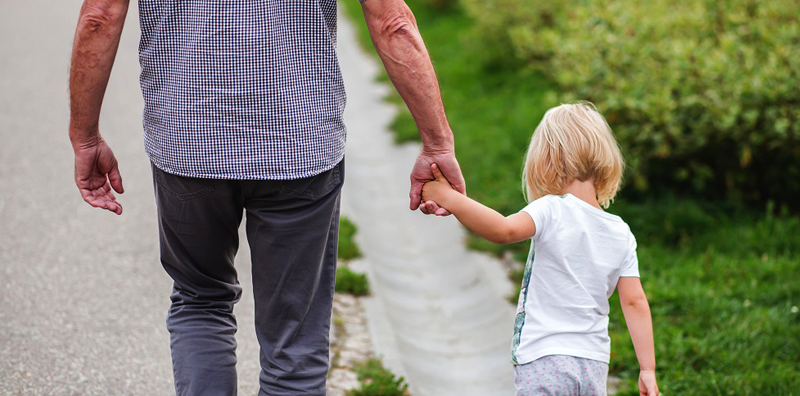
[[573, 141]]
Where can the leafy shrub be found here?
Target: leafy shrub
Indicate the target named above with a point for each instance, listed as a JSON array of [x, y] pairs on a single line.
[[348, 250], [441, 4], [701, 94], [348, 281], [376, 380]]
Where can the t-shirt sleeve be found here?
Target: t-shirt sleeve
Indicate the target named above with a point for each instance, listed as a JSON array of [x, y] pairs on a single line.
[[542, 213], [630, 266]]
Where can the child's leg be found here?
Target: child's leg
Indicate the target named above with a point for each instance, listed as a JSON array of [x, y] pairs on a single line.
[[559, 375], [595, 377]]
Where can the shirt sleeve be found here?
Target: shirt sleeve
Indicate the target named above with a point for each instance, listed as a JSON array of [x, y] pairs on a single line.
[[630, 266], [542, 213]]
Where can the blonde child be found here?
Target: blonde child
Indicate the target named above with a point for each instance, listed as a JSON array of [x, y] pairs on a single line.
[[579, 255]]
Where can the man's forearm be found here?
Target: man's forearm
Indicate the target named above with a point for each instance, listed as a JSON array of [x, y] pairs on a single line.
[[399, 44], [96, 40]]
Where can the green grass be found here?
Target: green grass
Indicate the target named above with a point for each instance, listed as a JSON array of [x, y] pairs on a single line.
[[348, 249], [348, 281], [377, 380], [722, 301], [722, 280], [471, 95]]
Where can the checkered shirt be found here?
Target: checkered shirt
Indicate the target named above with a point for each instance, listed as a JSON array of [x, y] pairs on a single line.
[[241, 89]]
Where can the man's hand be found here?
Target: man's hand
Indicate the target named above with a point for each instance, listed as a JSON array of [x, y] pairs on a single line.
[[647, 383], [447, 163], [96, 173], [399, 44], [439, 190], [93, 51]]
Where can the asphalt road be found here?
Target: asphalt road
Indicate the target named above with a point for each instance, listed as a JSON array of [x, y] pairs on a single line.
[[83, 298]]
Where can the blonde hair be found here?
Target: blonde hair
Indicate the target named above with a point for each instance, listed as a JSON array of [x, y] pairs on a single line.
[[573, 141]]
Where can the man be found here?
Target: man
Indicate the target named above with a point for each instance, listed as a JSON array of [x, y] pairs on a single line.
[[243, 114]]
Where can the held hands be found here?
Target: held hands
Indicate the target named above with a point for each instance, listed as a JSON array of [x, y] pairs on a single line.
[[96, 173], [421, 174], [436, 192], [647, 383]]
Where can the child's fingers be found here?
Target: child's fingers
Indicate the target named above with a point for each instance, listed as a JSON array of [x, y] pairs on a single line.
[[437, 174]]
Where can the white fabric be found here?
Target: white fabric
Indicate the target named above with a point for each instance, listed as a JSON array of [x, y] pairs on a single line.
[[579, 253]]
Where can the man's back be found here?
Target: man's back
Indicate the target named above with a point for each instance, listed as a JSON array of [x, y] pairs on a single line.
[[239, 89], [242, 89]]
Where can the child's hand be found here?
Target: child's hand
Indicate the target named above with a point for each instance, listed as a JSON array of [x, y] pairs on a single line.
[[439, 189], [647, 383]]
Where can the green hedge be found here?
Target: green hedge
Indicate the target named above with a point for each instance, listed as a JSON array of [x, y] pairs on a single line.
[[703, 95]]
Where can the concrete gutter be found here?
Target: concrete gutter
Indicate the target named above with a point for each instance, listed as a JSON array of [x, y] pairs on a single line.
[[438, 315]]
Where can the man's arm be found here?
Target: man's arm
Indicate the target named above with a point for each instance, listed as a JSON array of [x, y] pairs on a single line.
[[395, 35], [96, 41]]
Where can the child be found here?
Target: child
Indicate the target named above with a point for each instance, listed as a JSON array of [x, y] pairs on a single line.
[[578, 256]]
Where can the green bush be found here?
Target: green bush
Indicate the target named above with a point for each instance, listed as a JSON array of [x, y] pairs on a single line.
[[703, 95], [350, 282], [376, 380], [721, 278], [348, 250]]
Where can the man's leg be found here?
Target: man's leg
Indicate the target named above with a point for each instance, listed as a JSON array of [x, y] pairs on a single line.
[[198, 221], [293, 237]]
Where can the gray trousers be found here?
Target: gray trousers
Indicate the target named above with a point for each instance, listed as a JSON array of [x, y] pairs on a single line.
[[561, 375], [292, 229]]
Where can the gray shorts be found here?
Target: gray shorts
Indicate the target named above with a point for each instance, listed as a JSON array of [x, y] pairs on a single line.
[[559, 375]]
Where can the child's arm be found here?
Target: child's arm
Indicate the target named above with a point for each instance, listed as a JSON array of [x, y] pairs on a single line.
[[482, 220], [640, 326]]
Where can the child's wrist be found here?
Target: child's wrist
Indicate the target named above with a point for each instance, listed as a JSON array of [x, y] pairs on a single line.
[[447, 198]]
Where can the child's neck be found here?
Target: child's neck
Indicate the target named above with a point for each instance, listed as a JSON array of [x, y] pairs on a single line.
[[583, 190]]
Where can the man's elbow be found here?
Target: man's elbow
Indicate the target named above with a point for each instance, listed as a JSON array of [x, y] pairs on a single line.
[[392, 28], [396, 25], [97, 18]]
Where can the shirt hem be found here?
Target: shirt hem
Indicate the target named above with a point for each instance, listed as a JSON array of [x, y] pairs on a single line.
[[581, 353], [246, 176]]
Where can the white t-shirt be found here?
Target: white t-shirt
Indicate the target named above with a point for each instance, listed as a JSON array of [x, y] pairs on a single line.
[[577, 256]]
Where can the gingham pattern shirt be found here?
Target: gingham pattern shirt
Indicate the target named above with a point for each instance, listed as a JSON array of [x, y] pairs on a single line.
[[241, 89]]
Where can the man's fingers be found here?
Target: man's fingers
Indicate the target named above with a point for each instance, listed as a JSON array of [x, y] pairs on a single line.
[[98, 198], [434, 208], [458, 182], [460, 187], [115, 207], [424, 209], [431, 206], [452, 173], [116, 180], [442, 212], [415, 195]]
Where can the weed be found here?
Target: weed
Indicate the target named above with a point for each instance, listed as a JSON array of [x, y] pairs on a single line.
[[376, 380], [351, 282], [348, 250]]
